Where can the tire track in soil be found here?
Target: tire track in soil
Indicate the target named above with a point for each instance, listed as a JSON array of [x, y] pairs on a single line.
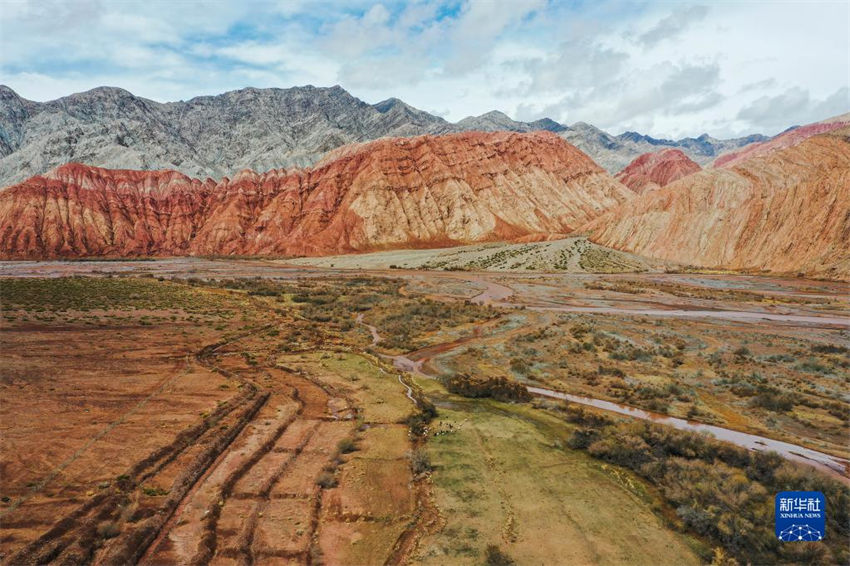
[[209, 543], [131, 545], [73, 536], [246, 549], [57, 539]]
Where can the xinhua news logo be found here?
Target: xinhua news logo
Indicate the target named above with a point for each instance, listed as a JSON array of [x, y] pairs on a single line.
[[800, 516]]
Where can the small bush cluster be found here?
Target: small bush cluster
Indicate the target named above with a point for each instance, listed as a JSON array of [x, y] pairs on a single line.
[[420, 462], [346, 446], [418, 421], [326, 480], [499, 388], [495, 556]]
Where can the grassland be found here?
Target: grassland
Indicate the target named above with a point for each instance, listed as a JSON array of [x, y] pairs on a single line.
[[504, 477], [370, 508]]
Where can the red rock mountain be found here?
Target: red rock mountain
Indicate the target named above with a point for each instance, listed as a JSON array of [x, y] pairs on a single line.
[[787, 210], [783, 140], [393, 192], [653, 170]]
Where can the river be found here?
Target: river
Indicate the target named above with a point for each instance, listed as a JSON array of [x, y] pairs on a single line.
[[832, 465]]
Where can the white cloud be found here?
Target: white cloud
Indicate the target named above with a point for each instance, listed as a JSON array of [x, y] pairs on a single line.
[[254, 53], [672, 25], [377, 15], [774, 110]]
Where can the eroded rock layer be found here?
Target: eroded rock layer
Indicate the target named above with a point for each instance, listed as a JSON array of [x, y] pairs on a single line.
[[424, 191], [784, 211], [788, 138], [653, 170]]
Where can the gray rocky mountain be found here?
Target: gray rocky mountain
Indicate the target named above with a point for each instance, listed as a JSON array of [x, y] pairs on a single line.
[[494, 121], [610, 152], [257, 129], [615, 152]]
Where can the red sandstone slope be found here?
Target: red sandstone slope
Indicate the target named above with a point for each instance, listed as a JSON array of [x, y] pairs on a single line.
[[425, 191], [783, 140], [653, 170], [785, 211]]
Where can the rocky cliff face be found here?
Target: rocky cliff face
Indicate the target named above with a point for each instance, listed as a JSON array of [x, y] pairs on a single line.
[[214, 136], [423, 191], [786, 211], [612, 153], [259, 129], [654, 170]]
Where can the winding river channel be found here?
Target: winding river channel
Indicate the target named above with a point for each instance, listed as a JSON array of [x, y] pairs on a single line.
[[832, 465]]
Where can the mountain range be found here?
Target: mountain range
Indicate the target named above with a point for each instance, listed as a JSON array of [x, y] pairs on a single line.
[[782, 209], [260, 129], [428, 191], [778, 204]]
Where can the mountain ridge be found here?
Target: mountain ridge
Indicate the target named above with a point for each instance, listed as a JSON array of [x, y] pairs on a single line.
[[658, 169], [783, 211], [259, 129], [397, 192]]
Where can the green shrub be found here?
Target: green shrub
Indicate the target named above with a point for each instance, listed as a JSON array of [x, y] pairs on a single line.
[[495, 557], [720, 491], [326, 480], [346, 446], [499, 388], [774, 401], [829, 349]]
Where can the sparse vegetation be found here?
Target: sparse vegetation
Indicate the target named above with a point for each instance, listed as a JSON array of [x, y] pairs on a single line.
[[231, 335], [346, 446], [108, 529], [719, 491], [326, 480], [420, 461]]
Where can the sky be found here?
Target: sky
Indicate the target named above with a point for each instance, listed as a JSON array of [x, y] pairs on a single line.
[[667, 69]]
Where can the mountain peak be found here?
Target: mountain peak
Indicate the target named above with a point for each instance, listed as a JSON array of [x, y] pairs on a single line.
[[549, 125], [105, 91], [7, 92], [784, 212], [496, 115], [496, 120], [257, 128], [388, 104], [657, 169]]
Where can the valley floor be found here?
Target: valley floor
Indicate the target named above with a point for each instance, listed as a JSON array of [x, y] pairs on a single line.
[[212, 411]]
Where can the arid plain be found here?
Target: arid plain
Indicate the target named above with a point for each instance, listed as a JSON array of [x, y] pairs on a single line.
[[248, 411]]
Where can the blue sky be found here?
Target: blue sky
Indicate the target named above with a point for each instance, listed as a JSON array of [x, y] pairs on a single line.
[[669, 69]]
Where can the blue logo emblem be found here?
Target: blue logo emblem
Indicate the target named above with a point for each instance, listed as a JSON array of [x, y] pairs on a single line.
[[800, 516]]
